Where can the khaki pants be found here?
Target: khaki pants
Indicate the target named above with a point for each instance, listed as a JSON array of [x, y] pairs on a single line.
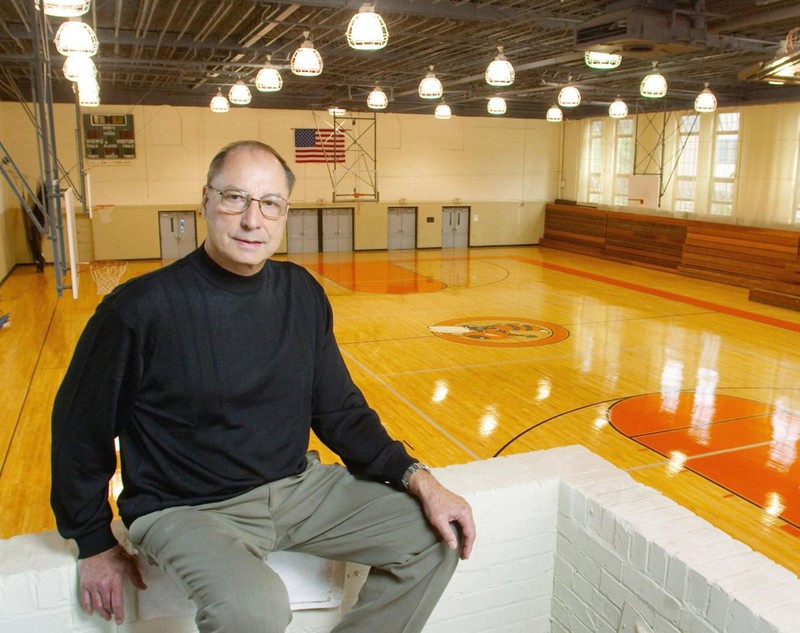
[[215, 551]]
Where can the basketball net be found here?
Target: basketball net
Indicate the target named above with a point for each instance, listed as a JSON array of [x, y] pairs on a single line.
[[106, 275]]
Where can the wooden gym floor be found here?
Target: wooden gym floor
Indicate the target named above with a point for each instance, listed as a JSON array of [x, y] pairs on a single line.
[[471, 354]]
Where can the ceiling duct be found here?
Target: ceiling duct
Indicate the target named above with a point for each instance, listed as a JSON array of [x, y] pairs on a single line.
[[642, 32]]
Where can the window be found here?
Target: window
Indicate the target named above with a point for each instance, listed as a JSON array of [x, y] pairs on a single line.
[[595, 192], [623, 160], [723, 174], [686, 173]]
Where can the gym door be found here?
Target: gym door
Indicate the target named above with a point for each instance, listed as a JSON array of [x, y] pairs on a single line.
[[455, 227]]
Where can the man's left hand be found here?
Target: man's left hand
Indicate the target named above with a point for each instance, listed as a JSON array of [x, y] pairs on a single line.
[[443, 507]]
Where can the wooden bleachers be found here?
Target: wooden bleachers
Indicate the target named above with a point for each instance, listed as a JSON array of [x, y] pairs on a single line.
[[765, 260]]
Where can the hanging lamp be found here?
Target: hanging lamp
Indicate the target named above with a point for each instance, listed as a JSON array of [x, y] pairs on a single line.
[[78, 67], [367, 31], [76, 38], [377, 99], [618, 109], [442, 111], [335, 110], [64, 8], [653, 86], [569, 96], [496, 105], [239, 94], [554, 114], [706, 101], [430, 87], [219, 103], [602, 61], [306, 60], [268, 78], [88, 93], [500, 72]]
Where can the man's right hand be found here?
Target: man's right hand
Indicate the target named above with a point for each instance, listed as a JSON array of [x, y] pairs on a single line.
[[101, 580]]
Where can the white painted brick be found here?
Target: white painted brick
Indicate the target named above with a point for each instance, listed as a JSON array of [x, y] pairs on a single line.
[[607, 610], [623, 536], [638, 551], [652, 594], [18, 593], [600, 553], [676, 580], [740, 619], [719, 607], [700, 558], [563, 570], [582, 588], [786, 616], [697, 592], [657, 563], [559, 614], [567, 528], [663, 625], [594, 512], [576, 558], [692, 623], [614, 590]]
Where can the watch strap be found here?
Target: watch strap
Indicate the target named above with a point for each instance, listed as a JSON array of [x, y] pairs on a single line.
[[411, 470]]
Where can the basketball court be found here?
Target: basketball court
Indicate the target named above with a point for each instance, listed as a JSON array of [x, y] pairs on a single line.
[[469, 354]]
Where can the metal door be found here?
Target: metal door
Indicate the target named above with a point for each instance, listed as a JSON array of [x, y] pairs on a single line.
[[402, 228], [337, 230], [302, 231], [455, 227], [178, 233]]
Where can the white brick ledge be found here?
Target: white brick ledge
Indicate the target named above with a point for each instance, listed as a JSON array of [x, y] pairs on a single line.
[[567, 543]]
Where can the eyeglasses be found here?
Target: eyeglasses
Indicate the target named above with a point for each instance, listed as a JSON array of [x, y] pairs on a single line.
[[236, 202]]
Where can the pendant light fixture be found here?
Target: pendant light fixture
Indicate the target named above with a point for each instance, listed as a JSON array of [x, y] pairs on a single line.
[[618, 109], [430, 87], [367, 30], [496, 105], [268, 78], [706, 101], [88, 93], [442, 111], [239, 94], [500, 72], [554, 114], [76, 38], [65, 8], [78, 67], [335, 110], [570, 96], [306, 60], [219, 103], [653, 86], [602, 61], [377, 99]]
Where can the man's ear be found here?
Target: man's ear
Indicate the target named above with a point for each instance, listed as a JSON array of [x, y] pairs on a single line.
[[204, 202]]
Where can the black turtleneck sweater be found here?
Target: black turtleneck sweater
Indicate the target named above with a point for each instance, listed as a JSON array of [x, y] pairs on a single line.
[[212, 382]]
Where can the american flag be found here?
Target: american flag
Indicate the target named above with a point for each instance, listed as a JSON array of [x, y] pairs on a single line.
[[318, 146]]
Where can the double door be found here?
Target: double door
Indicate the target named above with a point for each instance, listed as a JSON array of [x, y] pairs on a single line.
[[402, 227], [312, 230]]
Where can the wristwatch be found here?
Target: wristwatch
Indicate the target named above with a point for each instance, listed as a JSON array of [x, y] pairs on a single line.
[[411, 470]]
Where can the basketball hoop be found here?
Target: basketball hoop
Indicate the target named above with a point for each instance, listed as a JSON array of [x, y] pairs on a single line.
[[106, 275]]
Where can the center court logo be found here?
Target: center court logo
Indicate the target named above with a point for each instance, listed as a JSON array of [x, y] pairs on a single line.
[[499, 332]]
